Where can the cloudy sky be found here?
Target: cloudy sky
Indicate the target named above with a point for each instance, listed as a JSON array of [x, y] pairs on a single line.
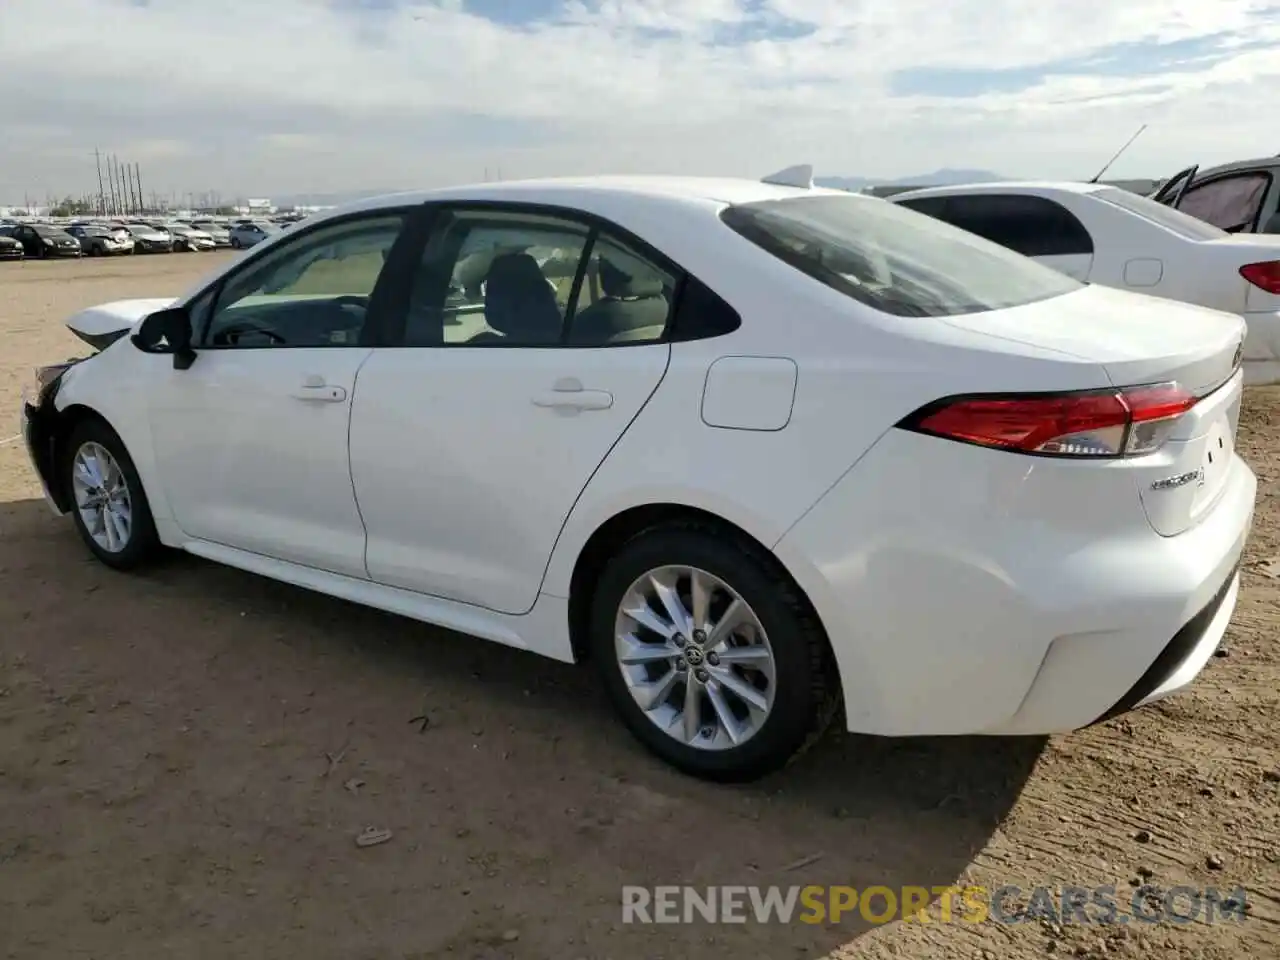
[[266, 97]]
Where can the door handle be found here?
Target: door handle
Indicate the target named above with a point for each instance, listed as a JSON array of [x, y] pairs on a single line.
[[568, 395], [315, 390]]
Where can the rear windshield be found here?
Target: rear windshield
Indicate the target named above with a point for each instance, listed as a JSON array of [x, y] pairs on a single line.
[[892, 258], [1183, 224]]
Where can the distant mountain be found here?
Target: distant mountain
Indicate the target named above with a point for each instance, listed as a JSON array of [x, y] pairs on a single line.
[[938, 178]]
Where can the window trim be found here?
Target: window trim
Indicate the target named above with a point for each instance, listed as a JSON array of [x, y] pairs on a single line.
[[594, 226], [374, 330], [1263, 172]]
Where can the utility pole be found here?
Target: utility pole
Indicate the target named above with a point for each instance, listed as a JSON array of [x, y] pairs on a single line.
[[126, 194], [115, 185], [111, 190], [102, 200]]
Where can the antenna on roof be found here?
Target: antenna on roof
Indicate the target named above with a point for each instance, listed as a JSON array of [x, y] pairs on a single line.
[[797, 176], [1107, 166]]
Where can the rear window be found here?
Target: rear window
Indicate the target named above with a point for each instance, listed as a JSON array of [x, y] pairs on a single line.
[[892, 258], [1183, 224]]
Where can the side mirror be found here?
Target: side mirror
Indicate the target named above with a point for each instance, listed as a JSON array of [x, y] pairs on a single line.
[[167, 331]]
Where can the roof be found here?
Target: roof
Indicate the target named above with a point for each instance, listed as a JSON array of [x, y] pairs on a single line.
[[595, 193], [1270, 163]]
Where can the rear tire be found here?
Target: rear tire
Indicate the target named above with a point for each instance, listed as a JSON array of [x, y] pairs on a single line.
[[763, 691], [108, 503]]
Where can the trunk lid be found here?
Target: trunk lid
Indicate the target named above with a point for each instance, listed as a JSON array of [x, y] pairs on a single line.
[[102, 325], [1137, 339], [1144, 340]]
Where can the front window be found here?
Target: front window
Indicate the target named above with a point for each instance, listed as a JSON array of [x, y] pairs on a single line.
[[313, 292], [894, 259]]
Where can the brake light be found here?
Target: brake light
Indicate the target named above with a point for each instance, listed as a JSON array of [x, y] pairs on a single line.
[[1113, 423], [1264, 276]]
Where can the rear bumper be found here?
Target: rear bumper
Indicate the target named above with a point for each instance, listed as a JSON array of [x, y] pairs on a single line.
[[1262, 348], [1007, 597]]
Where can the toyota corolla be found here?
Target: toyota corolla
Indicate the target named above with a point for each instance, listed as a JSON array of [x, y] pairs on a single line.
[[757, 450]]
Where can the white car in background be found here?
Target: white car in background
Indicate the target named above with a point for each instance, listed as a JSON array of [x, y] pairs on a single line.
[[218, 232], [1107, 235], [753, 448], [189, 238], [252, 232]]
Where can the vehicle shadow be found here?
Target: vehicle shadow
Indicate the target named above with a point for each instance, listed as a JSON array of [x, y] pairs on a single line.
[[262, 726]]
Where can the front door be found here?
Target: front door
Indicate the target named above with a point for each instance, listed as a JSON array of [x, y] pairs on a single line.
[[251, 440], [516, 375]]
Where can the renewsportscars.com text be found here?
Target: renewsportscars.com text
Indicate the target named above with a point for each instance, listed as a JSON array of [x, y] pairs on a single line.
[[970, 905]]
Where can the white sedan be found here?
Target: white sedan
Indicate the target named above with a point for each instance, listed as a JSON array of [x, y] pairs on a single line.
[[763, 448], [1107, 235]]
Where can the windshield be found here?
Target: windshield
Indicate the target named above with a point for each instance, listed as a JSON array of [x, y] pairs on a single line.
[[892, 258], [48, 231], [1183, 224]]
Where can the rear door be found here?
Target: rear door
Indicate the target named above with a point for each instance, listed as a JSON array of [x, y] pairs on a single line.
[[472, 439]]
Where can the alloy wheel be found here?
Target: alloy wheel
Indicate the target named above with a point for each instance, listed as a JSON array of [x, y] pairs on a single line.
[[695, 657], [102, 497]]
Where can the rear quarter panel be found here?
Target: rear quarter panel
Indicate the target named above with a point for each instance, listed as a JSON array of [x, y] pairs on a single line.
[[1125, 244]]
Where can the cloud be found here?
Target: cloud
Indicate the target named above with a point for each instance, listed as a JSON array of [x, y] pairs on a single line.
[[252, 97]]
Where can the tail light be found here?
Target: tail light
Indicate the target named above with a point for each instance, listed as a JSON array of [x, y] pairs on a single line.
[[1264, 276], [1091, 424]]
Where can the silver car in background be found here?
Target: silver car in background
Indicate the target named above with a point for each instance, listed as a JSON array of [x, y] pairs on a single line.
[[101, 240], [219, 233], [255, 231]]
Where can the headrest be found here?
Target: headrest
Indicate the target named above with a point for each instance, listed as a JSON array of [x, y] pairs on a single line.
[[633, 284], [519, 302]]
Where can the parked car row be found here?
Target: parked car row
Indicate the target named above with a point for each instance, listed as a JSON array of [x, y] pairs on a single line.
[[106, 238]]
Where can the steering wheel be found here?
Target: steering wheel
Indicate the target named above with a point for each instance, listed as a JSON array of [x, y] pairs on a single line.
[[232, 334], [351, 300]]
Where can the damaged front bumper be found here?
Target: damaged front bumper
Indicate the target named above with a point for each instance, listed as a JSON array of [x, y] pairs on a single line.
[[39, 427]]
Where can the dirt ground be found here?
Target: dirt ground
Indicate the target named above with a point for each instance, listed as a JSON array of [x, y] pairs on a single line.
[[187, 756]]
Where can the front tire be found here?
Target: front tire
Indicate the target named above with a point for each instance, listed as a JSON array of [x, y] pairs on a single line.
[[710, 654], [108, 504]]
